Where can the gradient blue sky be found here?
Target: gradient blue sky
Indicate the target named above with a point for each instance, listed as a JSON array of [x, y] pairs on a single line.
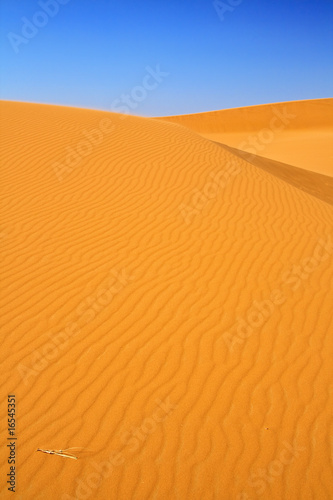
[[93, 51]]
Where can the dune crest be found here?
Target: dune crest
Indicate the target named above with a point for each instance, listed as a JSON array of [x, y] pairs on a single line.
[[298, 133], [318, 185]]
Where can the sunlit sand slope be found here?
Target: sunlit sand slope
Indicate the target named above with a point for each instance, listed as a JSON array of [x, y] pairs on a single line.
[[299, 133], [167, 307]]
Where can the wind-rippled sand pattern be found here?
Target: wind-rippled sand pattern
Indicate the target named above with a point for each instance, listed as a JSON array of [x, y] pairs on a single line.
[[167, 306]]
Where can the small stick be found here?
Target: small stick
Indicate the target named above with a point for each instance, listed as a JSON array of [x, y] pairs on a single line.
[[60, 453]]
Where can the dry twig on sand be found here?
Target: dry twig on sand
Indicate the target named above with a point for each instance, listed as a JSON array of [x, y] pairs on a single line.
[[61, 453]]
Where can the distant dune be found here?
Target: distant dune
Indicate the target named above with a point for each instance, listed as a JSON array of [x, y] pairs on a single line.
[[298, 133], [167, 304]]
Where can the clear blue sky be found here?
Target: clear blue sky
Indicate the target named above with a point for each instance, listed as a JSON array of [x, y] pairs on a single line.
[[92, 52]]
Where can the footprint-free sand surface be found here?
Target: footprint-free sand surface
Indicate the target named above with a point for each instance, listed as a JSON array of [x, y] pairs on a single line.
[[166, 306], [299, 133]]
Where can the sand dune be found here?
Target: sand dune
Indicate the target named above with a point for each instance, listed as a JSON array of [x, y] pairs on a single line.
[[298, 133], [316, 184], [166, 306]]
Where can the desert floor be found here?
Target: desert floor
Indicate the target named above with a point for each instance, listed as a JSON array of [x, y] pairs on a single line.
[[167, 303]]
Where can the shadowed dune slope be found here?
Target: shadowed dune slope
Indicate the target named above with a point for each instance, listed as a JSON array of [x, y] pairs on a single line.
[[316, 184], [166, 306], [299, 133]]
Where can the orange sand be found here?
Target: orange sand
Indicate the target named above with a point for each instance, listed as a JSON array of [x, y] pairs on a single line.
[[299, 133], [166, 306]]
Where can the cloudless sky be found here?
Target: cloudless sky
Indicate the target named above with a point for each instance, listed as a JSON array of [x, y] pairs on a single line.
[[92, 52]]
